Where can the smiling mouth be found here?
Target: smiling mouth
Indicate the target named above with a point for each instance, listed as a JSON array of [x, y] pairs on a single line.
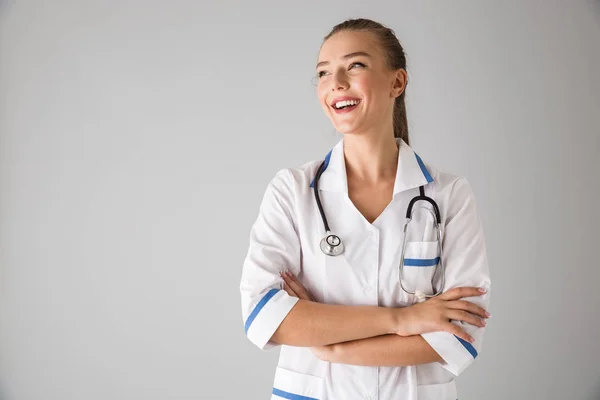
[[345, 106], [341, 105]]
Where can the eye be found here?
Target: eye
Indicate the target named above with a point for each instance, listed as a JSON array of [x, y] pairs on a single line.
[[321, 73], [357, 63]]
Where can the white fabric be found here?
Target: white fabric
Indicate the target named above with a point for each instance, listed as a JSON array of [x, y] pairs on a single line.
[[286, 235]]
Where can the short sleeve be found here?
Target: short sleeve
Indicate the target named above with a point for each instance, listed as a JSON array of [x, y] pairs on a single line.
[[274, 246], [465, 259]]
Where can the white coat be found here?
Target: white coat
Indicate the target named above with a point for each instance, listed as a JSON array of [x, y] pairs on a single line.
[[286, 235]]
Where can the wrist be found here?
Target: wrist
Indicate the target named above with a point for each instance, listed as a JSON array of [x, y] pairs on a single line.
[[399, 318], [395, 317]]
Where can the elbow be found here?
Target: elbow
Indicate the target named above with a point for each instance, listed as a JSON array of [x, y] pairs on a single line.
[[264, 324], [456, 354]]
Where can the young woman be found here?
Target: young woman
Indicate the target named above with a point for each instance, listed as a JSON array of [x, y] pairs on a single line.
[[361, 307]]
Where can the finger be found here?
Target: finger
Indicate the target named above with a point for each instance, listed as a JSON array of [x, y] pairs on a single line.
[[460, 292], [289, 290], [290, 277], [293, 277], [292, 288], [297, 287], [286, 278], [457, 331], [465, 316], [468, 306]]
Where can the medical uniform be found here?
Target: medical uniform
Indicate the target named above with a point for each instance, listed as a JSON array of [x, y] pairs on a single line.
[[286, 235]]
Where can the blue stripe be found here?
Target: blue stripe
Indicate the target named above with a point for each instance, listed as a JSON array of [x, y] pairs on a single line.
[[291, 396], [468, 346], [327, 157], [259, 307], [419, 262], [423, 169]]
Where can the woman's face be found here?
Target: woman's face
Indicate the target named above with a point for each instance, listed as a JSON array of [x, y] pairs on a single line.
[[356, 88]]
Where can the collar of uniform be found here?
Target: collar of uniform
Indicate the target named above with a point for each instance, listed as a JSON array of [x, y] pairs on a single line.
[[411, 170]]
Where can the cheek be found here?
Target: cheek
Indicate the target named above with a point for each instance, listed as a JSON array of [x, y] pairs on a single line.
[[321, 94], [368, 87], [321, 91], [364, 83]]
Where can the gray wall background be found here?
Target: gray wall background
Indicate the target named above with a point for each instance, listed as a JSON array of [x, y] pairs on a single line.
[[137, 138]]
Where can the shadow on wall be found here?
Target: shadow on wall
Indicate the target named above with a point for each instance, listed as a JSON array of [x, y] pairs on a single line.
[[3, 394], [595, 9], [5, 6], [594, 393]]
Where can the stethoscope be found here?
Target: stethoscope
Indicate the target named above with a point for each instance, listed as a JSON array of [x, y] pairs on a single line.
[[332, 245]]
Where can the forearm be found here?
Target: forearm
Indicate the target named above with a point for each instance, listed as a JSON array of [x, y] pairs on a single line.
[[311, 324], [386, 350]]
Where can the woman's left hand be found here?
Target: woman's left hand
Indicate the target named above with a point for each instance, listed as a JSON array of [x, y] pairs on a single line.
[[293, 287]]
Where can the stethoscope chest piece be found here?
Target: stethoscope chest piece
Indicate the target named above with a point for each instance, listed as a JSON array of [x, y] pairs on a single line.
[[332, 245]]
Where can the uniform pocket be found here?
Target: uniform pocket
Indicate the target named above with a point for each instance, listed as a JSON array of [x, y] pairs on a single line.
[[297, 386], [420, 262], [440, 391]]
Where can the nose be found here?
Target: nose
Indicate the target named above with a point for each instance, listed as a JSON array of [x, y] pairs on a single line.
[[339, 81]]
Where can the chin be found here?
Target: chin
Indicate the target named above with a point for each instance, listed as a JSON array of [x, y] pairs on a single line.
[[346, 130]]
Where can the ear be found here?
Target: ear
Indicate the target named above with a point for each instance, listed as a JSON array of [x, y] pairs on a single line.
[[400, 81]]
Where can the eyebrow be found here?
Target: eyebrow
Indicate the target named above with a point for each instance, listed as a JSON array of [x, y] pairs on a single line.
[[347, 56]]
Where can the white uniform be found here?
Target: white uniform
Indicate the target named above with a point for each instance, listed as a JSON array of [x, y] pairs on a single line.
[[286, 235]]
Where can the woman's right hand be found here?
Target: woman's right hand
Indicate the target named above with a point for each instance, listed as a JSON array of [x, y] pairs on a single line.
[[436, 313]]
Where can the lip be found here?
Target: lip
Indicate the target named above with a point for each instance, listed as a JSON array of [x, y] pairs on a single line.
[[343, 99], [347, 109]]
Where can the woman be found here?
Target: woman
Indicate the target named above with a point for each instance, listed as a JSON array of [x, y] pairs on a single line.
[[346, 327]]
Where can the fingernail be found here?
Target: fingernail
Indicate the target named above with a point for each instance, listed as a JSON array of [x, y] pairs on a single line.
[[483, 322], [482, 290], [471, 340], [487, 314]]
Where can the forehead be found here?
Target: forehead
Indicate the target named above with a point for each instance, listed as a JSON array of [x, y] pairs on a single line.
[[347, 42]]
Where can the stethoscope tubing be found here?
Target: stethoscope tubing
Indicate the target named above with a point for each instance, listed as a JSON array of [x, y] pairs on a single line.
[[332, 245]]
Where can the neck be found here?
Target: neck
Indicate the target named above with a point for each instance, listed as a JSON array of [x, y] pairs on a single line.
[[371, 158]]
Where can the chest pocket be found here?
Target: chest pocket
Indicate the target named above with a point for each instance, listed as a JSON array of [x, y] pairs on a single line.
[[420, 262], [422, 253]]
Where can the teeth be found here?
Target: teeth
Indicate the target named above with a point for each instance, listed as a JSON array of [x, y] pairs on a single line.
[[345, 103]]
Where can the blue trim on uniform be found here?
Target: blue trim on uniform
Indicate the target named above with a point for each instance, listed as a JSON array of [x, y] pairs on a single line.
[[468, 346], [327, 157], [259, 307], [419, 262], [423, 169], [291, 396]]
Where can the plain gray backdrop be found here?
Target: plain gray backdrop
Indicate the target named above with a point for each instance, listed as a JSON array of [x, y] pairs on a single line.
[[137, 139]]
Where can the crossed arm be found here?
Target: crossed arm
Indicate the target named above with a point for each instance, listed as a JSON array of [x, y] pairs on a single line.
[[439, 328], [381, 343], [385, 350]]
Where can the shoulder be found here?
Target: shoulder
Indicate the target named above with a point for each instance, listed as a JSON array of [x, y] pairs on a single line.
[[295, 180], [287, 186], [452, 186]]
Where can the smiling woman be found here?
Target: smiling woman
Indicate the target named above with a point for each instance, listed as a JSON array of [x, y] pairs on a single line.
[[365, 70], [346, 326]]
